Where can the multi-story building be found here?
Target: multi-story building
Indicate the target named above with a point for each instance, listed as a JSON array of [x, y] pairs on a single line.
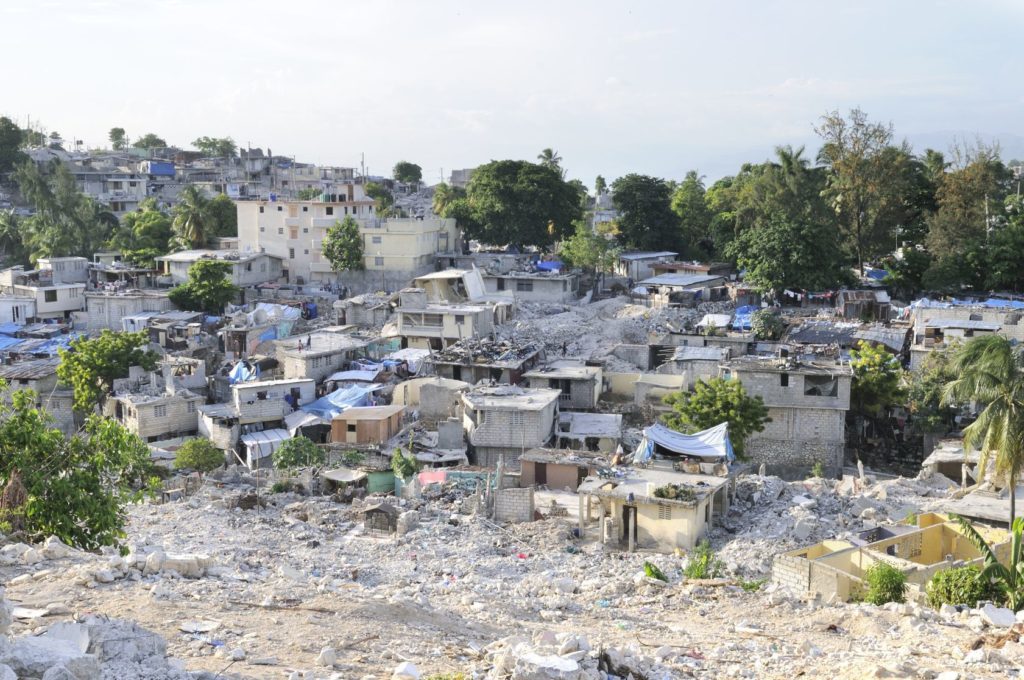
[[107, 309], [52, 300], [508, 421], [394, 250], [807, 403]]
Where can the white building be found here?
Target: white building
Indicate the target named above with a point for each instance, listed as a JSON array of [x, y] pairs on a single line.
[[52, 300], [247, 268]]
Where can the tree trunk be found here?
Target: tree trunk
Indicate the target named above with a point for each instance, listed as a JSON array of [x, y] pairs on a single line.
[[1013, 503]]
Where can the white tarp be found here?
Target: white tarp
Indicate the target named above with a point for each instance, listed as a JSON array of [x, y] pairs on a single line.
[[356, 376], [412, 355], [712, 443], [716, 320], [296, 419], [259, 445]]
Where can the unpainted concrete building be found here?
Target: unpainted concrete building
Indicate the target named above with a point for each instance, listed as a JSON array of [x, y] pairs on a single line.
[[807, 402], [507, 421], [580, 385]]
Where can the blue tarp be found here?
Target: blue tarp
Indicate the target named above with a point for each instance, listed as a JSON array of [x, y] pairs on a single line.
[[9, 328], [877, 274], [6, 342], [269, 334], [995, 303], [328, 406], [552, 266], [741, 321], [242, 373]]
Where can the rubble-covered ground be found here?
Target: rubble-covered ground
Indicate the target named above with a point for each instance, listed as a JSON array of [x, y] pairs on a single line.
[[296, 590]]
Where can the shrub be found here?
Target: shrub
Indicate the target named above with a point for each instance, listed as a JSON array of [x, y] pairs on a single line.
[[404, 466], [766, 325], [298, 452], [703, 563], [961, 585], [818, 470], [886, 583], [679, 492], [652, 571], [199, 455], [281, 487]]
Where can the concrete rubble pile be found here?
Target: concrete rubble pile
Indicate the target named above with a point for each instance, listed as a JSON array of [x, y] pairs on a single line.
[[770, 515], [294, 588]]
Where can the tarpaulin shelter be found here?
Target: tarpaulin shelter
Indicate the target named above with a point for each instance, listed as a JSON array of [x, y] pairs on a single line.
[[710, 445], [259, 445], [330, 405], [743, 316]]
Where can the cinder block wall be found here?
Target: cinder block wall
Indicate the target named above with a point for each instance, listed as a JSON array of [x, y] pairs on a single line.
[[513, 505]]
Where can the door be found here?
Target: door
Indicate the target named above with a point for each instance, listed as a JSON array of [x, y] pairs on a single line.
[[627, 522], [540, 473]]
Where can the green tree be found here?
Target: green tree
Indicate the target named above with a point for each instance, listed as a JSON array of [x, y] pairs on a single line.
[[207, 289], [404, 466], [646, 220], [216, 147], [886, 584], [407, 173], [343, 246], [600, 186], [222, 216], [713, 402], [519, 203], [13, 250], [588, 250], [767, 325], [309, 194], [444, 196], [199, 455], [143, 235], [990, 372], [688, 202], [1004, 265], [66, 221], [969, 202], [118, 141], [550, 159], [149, 141], [861, 174], [11, 140], [74, 488], [191, 219], [928, 412], [298, 452], [90, 365], [385, 201], [877, 379]]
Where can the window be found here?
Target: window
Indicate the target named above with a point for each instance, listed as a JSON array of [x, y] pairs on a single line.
[[49, 296], [305, 208], [98, 308], [263, 228], [293, 234], [517, 418], [501, 284], [351, 427], [262, 396], [460, 319], [261, 208], [329, 210], [291, 253], [248, 266], [133, 184], [305, 230], [664, 511], [160, 411], [280, 209], [524, 286], [306, 251], [191, 407], [375, 239], [784, 379], [378, 261], [280, 230], [821, 386]]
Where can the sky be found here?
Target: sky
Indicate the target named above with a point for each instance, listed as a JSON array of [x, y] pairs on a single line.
[[657, 88]]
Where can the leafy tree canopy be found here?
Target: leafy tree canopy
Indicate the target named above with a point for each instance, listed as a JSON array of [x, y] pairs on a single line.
[[404, 466], [90, 365], [192, 219], [688, 203], [343, 246], [877, 379], [11, 140], [767, 325], [588, 250], [117, 138], [150, 141], [216, 147], [199, 455], [519, 203], [222, 215], [143, 235], [379, 193], [207, 289], [298, 452], [715, 401], [646, 220], [74, 488], [407, 173]]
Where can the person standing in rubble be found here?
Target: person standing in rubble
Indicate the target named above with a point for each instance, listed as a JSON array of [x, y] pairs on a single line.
[[565, 348]]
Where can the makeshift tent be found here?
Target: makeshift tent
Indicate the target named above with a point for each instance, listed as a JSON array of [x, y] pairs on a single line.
[[741, 320], [716, 320], [354, 376], [9, 328], [243, 372], [330, 405], [711, 444], [259, 445], [413, 356]]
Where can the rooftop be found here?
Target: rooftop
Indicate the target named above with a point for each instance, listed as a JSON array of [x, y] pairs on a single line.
[[322, 343], [965, 324], [370, 412], [485, 352], [686, 353], [644, 255], [564, 370], [573, 425], [786, 365], [510, 398], [29, 370], [226, 255], [680, 280], [565, 457], [641, 483]]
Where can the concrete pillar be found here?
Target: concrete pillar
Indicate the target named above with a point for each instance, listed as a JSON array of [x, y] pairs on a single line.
[[583, 501], [632, 532]]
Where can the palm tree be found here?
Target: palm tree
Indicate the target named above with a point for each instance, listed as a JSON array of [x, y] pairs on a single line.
[[991, 373], [549, 158], [190, 218], [443, 195]]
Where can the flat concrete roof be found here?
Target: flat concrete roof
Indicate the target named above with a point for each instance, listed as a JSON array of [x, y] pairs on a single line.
[[510, 398], [680, 280], [564, 370], [641, 483], [370, 412]]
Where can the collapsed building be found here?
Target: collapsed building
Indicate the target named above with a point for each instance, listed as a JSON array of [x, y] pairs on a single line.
[[482, 359]]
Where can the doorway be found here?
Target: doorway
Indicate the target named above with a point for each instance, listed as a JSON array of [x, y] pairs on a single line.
[[540, 473]]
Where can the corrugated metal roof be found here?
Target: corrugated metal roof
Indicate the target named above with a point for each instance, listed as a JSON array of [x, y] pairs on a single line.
[[29, 370]]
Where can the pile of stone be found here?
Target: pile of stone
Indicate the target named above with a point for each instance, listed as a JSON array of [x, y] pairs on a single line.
[[569, 656]]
